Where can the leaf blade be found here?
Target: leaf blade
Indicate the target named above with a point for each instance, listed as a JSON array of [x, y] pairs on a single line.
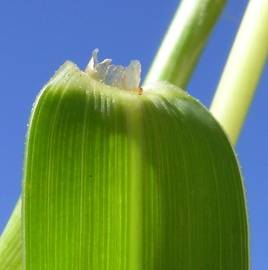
[[159, 176]]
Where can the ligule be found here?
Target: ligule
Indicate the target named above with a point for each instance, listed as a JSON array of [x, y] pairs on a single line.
[[117, 180]]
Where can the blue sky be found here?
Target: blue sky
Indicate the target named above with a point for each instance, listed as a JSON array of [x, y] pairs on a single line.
[[36, 37]]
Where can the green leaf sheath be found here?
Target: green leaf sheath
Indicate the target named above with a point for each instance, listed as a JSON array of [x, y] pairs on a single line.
[[184, 41], [116, 180], [11, 242]]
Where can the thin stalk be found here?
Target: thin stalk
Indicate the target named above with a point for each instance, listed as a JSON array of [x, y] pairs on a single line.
[[184, 41], [10, 242], [243, 70]]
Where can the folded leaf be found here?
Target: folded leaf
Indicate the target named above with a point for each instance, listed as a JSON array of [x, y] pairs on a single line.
[[117, 180]]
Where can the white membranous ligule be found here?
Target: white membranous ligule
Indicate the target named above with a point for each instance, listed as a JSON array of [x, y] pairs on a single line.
[[127, 78]]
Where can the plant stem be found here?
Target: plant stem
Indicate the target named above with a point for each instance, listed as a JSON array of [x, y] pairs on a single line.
[[243, 70], [10, 242], [184, 41]]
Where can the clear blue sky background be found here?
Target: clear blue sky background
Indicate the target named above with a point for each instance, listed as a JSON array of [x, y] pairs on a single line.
[[37, 36]]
